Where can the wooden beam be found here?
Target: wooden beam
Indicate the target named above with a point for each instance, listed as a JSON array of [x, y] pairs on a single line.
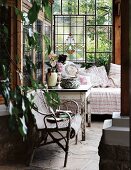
[[125, 58]]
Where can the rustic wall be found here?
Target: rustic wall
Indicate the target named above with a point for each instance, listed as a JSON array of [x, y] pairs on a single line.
[[12, 148], [113, 157]]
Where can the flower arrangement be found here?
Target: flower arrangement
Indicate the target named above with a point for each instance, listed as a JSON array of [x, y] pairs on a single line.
[[56, 62], [53, 59]]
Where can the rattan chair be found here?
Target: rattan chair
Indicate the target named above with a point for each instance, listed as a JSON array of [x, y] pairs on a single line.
[[48, 122]]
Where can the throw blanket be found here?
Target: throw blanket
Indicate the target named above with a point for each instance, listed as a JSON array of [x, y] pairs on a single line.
[[105, 100]]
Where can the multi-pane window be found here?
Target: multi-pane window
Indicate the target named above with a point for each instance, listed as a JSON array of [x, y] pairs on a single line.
[[35, 56], [47, 34], [70, 36], [89, 23], [39, 56]]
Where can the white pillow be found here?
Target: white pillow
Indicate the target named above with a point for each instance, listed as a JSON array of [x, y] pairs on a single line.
[[94, 76], [115, 74], [82, 71], [103, 75]]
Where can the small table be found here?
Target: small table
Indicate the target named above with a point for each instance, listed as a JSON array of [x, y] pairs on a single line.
[[80, 94]]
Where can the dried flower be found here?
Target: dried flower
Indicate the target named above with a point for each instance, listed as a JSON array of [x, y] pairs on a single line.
[[53, 59]]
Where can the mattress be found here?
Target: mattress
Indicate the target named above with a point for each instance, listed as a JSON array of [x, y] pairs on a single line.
[[105, 100]]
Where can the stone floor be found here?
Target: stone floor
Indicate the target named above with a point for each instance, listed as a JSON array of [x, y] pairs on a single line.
[[83, 156]]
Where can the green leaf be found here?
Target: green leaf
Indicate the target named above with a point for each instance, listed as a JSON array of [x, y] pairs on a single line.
[[45, 2], [33, 12], [48, 12], [19, 13], [34, 84], [22, 126], [5, 30], [52, 99]]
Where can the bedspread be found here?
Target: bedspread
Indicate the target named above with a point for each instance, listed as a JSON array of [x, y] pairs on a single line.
[[104, 100]]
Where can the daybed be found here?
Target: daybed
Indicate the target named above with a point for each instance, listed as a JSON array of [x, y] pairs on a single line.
[[105, 95]]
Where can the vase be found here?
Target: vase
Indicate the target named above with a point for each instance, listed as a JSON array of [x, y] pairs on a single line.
[[51, 79]]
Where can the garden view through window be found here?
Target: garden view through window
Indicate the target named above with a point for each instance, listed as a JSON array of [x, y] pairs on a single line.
[[83, 30]]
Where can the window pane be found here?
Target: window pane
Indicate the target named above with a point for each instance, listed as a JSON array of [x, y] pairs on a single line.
[[57, 7], [70, 7], [104, 12], [27, 52], [77, 32], [80, 39], [103, 58], [90, 20], [103, 39], [38, 56], [90, 39], [87, 7], [90, 57]]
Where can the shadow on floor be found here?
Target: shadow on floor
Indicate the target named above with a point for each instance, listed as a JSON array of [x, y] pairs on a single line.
[[100, 118]]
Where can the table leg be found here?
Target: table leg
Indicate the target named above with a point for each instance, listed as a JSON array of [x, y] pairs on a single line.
[[83, 124], [88, 114]]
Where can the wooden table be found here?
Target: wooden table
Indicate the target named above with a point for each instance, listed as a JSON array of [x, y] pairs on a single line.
[[79, 95]]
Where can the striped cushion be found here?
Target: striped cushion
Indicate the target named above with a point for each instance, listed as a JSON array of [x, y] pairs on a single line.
[[115, 74]]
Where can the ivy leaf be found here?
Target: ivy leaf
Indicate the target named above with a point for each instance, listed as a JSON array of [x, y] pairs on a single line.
[[33, 12], [45, 2], [49, 49], [5, 30], [31, 41], [22, 126], [34, 84], [48, 11], [19, 13], [52, 99]]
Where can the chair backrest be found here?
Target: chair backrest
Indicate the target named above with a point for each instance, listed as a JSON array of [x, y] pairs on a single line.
[[40, 103]]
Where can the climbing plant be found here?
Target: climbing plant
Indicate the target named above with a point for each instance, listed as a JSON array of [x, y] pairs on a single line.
[[16, 100]]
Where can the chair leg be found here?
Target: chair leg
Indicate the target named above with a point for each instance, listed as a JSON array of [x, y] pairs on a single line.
[[67, 148], [76, 139], [31, 158]]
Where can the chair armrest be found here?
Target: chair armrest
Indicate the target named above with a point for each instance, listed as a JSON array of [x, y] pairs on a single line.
[[54, 119]]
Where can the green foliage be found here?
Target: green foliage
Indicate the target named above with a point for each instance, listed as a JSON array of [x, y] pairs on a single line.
[[3, 2], [48, 14], [19, 104], [19, 13], [47, 45], [52, 99], [33, 12], [99, 60], [16, 99]]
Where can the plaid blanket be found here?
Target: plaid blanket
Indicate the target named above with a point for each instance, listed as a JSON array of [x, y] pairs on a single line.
[[105, 100]]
